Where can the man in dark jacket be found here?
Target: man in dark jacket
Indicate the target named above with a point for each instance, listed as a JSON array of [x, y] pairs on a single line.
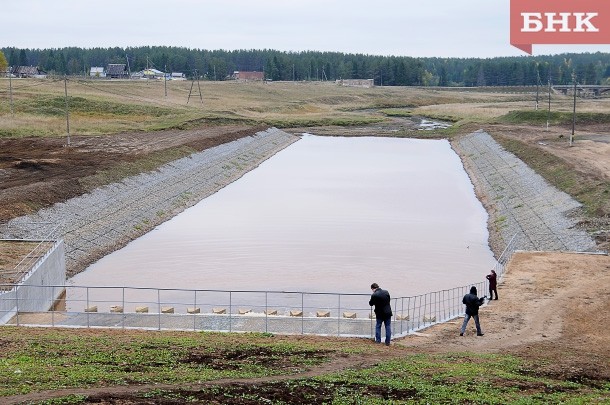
[[472, 303], [383, 312], [493, 284]]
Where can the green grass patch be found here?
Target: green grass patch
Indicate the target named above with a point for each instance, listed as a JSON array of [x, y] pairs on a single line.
[[56, 106], [57, 359], [539, 117], [458, 378], [397, 113], [592, 192], [323, 121]]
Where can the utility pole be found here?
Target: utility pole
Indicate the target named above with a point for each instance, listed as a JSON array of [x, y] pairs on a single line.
[[10, 86], [67, 110], [537, 87], [548, 114], [165, 81], [573, 110], [128, 68], [191, 90]]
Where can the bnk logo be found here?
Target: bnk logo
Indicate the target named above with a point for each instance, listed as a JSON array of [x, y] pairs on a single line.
[[559, 22]]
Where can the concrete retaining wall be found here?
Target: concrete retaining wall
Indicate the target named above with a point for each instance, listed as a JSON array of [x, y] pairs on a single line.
[[34, 293]]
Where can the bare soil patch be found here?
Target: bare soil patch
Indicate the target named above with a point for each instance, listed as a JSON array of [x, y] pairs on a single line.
[[589, 152], [38, 172], [12, 253], [551, 309]]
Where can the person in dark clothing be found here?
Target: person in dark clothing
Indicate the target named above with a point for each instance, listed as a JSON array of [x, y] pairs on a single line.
[[493, 284], [383, 312], [472, 303]]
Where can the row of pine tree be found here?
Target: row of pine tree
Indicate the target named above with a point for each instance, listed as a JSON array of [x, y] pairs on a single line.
[[588, 68]]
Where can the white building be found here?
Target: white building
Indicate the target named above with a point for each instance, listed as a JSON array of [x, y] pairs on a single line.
[[97, 71]]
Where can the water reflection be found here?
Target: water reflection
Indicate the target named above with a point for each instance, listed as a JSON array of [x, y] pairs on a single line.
[[327, 214]]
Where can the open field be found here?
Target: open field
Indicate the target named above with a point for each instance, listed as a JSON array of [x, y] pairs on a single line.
[[103, 107], [543, 342]]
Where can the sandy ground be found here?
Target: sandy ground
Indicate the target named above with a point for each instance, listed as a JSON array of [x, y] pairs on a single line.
[[551, 305]]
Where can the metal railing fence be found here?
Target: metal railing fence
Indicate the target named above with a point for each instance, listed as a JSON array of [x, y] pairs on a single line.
[[281, 312]]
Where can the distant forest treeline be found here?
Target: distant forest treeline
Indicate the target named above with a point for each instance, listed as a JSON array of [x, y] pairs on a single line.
[[590, 68]]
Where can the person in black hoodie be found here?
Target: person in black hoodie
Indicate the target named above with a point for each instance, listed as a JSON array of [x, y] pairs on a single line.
[[472, 303], [383, 312]]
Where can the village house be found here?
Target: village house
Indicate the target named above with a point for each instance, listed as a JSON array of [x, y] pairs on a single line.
[[248, 76], [117, 71], [28, 71], [97, 71], [153, 74], [366, 83]]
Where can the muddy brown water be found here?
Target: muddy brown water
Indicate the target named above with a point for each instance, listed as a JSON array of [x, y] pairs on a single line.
[[327, 214]]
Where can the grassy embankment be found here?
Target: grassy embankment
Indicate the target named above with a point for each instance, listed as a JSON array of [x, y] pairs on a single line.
[[591, 191], [51, 359]]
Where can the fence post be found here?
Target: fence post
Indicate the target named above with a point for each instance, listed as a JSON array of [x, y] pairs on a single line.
[[402, 313], [371, 318], [445, 303], [302, 314], [339, 316], [123, 303], [159, 307], [53, 306], [17, 303], [395, 310], [194, 314], [266, 311], [87, 306], [418, 306], [230, 310]]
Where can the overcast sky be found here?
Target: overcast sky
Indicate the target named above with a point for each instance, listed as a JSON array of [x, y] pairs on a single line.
[[444, 28]]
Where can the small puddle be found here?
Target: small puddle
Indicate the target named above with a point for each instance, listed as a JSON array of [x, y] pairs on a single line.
[[428, 125]]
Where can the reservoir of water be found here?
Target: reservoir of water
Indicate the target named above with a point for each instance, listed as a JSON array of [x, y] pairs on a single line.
[[327, 214]]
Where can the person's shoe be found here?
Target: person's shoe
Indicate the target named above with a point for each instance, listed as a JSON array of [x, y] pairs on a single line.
[[461, 334], [496, 298], [480, 334], [387, 344]]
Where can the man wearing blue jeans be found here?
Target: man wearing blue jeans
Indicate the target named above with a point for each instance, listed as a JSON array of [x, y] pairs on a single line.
[[383, 312], [472, 303]]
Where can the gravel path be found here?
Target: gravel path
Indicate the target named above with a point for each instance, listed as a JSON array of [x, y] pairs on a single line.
[[106, 219], [520, 201]]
